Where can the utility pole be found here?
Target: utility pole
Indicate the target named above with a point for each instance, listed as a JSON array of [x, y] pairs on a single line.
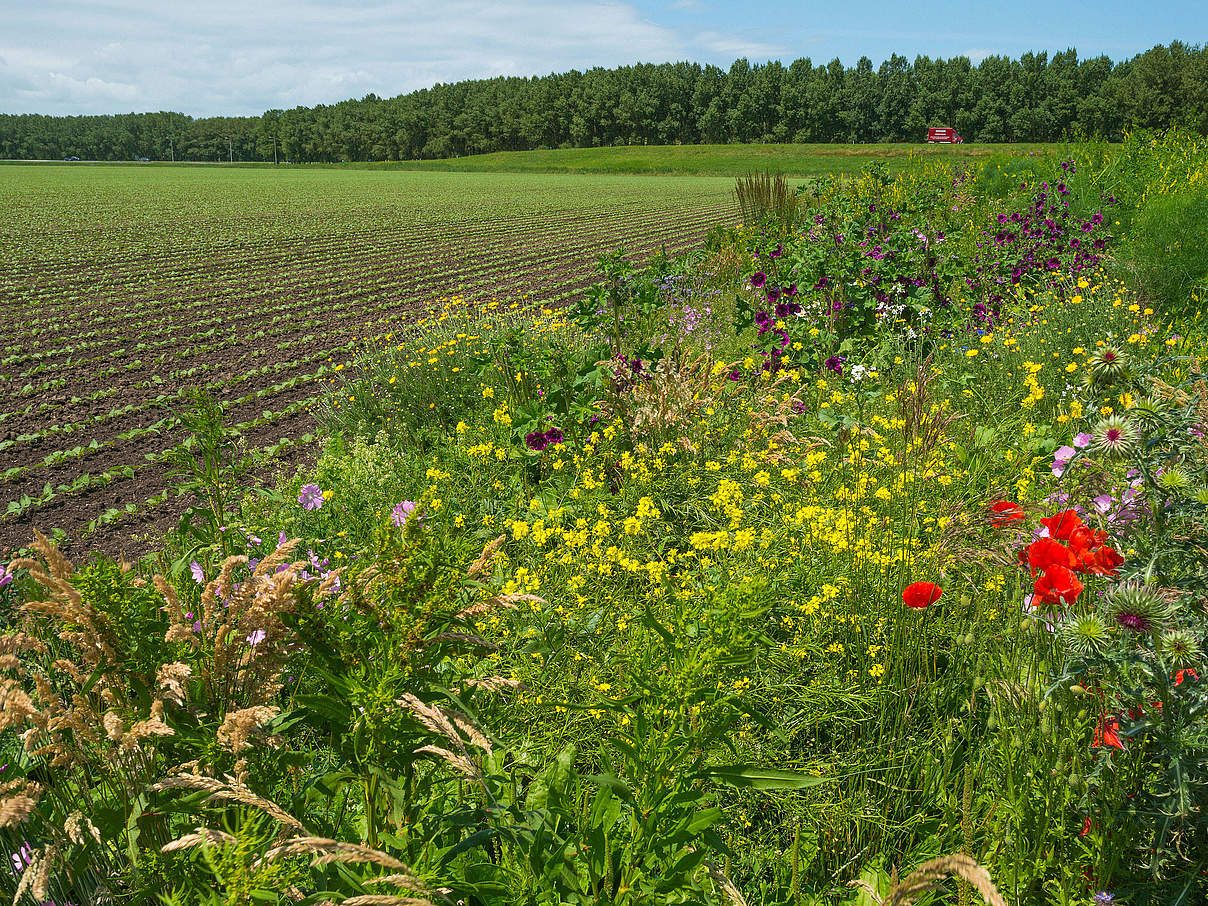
[[274, 152], [172, 148]]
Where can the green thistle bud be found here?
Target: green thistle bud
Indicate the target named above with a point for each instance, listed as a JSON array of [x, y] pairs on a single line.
[[1086, 636], [1180, 648], [1174, 479], [1147, 409]]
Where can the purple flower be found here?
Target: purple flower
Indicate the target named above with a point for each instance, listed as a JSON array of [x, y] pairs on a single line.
[[5, 577], [554, 436], [758, 279], [23, 857], [398, 516], [256, 637], [835, 363], [282, 538], [536, 441], [199, 575], [1082, 439], [1132, 621], [311, 497]]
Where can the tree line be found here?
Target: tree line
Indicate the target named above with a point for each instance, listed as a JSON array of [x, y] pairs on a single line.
[[1034, 98]]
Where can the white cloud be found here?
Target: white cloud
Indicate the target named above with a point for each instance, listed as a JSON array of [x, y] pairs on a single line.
[[732, 46], [977, 54], [232, 57]]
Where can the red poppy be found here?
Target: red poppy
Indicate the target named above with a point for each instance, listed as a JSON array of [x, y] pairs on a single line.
[[1181, 675], [1044, 553], [1107, 734], [1104, 562], [1082, 539], [1062, 525], [1087, 824], [921, 594], [1005, 511], [1058, 585]]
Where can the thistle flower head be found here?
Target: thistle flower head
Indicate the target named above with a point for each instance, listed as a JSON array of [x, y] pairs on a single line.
[[1136, 607], [1114, 435], [1107, 364]]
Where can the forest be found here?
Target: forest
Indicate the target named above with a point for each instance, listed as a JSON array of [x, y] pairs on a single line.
[[1034, 98]]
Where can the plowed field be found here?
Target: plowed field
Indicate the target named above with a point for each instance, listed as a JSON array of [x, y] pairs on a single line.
[[122, 287]]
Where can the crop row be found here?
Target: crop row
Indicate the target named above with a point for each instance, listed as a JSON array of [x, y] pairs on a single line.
[[359, 265]]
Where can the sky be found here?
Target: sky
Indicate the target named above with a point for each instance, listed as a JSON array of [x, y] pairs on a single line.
[[241, 57]]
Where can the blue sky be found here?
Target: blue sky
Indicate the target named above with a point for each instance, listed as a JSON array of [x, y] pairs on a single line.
[[208, 57]]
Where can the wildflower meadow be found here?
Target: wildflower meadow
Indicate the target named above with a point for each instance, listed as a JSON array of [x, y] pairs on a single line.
[[855, 557]]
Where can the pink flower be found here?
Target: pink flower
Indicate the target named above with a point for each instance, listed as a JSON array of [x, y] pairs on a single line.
[[1082, 439], [198, 573], [401, 511], [311, 497], [256, 638], [1061, 459]]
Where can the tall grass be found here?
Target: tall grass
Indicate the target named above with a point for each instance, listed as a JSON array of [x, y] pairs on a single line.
[[763, 196]]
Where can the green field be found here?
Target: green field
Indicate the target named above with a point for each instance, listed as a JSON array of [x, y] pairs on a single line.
[[709, 160], [668, 160]]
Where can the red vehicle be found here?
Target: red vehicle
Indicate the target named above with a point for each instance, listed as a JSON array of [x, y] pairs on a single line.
[[944, 135]]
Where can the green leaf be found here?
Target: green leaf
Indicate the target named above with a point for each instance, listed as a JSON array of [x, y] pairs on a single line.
[[548, 787], [748, 776], [616, 785]]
